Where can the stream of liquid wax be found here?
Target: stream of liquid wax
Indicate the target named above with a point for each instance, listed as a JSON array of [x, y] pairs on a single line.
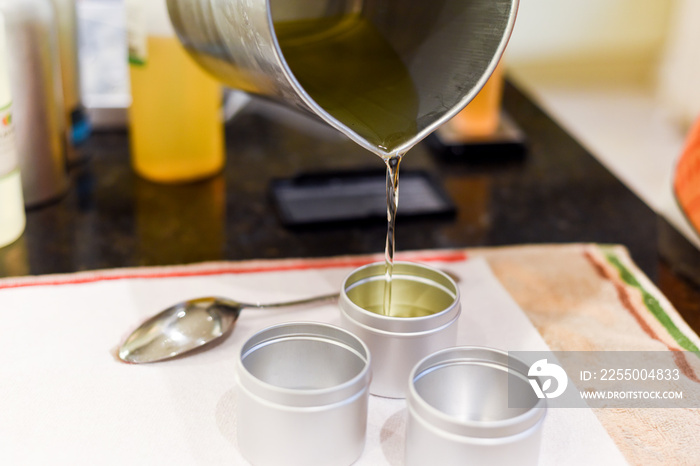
[[392, 205]]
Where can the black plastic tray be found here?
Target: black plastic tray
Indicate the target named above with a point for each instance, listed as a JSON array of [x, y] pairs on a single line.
[[337, 197]]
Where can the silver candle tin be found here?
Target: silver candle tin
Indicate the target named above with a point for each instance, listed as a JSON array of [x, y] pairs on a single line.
[[398, 343], [458, 410], [302, 395]]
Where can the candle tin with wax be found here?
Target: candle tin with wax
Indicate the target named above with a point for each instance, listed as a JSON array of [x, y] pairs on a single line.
[[425, 308]]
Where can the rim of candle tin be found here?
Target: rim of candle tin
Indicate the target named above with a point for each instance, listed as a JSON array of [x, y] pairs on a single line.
[[313, 397], [422, 275], [476, 355]]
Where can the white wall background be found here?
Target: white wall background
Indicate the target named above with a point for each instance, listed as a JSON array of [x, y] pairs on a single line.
[[623, 77], [679, 71], [551, 30]]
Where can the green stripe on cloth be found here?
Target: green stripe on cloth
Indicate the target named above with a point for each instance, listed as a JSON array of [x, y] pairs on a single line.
[[652, 304]]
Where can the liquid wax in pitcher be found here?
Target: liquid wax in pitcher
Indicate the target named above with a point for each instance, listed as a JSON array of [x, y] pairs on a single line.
[[350, 70]]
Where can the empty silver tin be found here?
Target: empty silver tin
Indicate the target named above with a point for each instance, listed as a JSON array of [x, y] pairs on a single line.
[[398, 343], [458, 410], [302, 395]]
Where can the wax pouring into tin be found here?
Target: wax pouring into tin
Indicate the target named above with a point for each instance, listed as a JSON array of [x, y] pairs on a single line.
[[386, 73], [348, 68]]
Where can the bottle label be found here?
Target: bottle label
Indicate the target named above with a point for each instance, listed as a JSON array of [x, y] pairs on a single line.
[[137, 32], [8, 152]]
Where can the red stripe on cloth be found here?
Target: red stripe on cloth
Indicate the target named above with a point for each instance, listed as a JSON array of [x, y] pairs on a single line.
[[622, 296], [233, 268]]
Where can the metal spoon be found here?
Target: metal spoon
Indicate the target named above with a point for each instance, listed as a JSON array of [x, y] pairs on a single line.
[[191, 325]]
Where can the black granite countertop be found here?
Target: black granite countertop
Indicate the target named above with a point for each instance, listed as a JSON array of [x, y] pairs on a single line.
[[556, 193]]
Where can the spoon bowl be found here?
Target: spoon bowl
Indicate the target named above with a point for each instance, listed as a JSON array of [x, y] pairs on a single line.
[[191, 325]]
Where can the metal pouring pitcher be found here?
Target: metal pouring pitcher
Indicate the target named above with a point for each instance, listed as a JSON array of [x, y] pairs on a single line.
[[448, 47]]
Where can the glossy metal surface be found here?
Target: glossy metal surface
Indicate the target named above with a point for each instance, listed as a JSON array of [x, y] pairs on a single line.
[[189, 326], [398, 343], [451, 47], [458, 403], [302, 395], [35, 75]]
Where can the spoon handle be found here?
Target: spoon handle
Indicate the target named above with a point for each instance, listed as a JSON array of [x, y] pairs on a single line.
[[301, 302]]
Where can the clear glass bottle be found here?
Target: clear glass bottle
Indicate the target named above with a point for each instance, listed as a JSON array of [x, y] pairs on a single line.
[[175, 119], [12, 218]]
